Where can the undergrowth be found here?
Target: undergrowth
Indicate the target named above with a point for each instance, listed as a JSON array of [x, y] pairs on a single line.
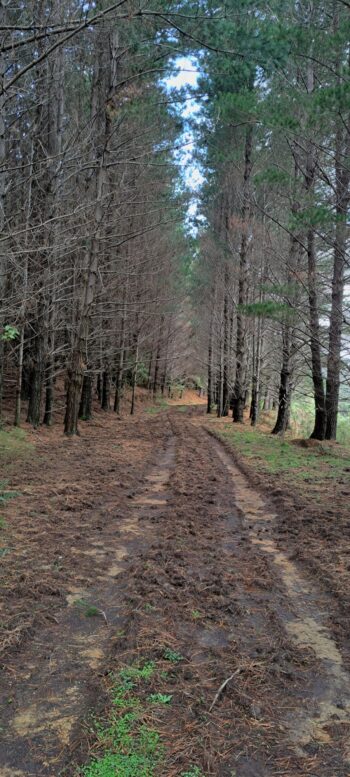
[[159, 405], [128, 744], [276, 455], [14, 445]]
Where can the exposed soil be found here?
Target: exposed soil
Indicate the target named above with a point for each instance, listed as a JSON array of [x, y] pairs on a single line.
[[313, 523], [143, 535]]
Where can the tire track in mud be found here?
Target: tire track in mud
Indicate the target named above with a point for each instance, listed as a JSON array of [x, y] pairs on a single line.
[[55, 679], [324, 712]]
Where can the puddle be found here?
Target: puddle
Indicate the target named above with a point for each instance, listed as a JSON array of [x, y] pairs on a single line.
[[328, 697]]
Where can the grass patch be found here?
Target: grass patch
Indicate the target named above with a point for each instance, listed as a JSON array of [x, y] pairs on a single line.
[[14, 446], [275, 455], [129, 747], [157, 407], [172, 656]]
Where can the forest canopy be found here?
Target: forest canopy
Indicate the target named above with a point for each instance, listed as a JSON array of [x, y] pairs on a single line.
[[116, 268]]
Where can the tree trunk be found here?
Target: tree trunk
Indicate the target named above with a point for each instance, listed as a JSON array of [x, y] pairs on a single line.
[[284, 394], [254, 408], [157, 363], [3, 179], [105, 390], [210, 398], [342, 194], [314, 323], [226, 353], [315, 344], [85, 407], [239, 387], [134, 374]]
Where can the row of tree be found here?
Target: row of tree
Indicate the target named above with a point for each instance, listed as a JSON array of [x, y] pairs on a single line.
[[274, 249], [92, 250]]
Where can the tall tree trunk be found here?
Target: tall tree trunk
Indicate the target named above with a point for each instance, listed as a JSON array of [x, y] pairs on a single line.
[[85, 407], [158, 353], [342, 199], [210, 398], [254, 411], [220, 375], [226, 349], [105, 389], [284, 394], [3, 263], [101, 94], [134, 372], [314, 319], [239, 387]]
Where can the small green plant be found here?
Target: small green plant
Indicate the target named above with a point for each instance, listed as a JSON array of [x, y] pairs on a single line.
[[132, 674], [193, 771], [160, 698], [9, 333], [2, 522], [5, 496], [172, 655], [130, 748], [196, 614], [90, 610]]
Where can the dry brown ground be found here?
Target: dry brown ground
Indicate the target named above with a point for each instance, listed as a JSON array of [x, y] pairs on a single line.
[[149, 521]]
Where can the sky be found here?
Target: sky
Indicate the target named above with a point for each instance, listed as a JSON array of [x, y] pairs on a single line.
[[183, 79]]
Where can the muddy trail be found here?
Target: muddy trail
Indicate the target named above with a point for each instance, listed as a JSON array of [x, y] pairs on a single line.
[[145, 537]]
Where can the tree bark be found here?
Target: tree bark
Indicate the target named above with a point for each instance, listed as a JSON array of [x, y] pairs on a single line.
[[85, 407], [342, 199], [238, 402]]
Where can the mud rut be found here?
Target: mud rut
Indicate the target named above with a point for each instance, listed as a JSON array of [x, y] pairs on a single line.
[[192, 565]]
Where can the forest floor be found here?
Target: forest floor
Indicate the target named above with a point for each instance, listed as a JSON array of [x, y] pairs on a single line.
[[173, 604]]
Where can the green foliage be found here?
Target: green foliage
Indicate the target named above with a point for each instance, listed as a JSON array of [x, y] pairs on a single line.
[[160, 404], [172, 656], [9, 333], [89, 610], [5, 496], [266, 309], [142, 374], [316, 215], [277, 455], [14, 446], [273, 176], [133, 674], [160, 698], [193, 771], [129, 747]]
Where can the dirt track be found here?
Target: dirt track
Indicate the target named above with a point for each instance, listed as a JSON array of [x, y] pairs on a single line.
[[163, 536]]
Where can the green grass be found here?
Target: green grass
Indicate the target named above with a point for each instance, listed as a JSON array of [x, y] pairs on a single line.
[[14, 446], [159, 405], [129, 748], [126, 746], [275, 455]]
